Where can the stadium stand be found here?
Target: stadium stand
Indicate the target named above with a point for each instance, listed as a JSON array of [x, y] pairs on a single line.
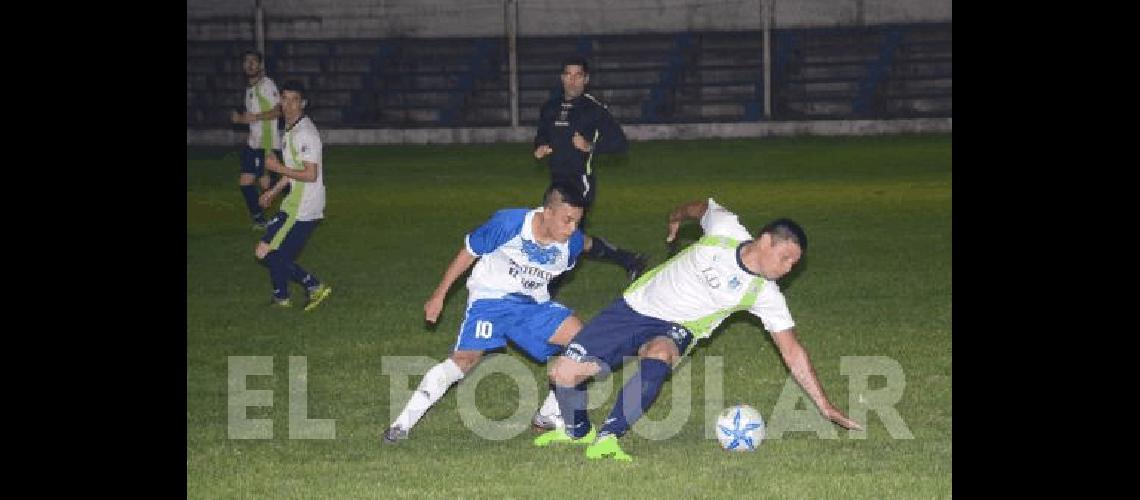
[[867, 72]]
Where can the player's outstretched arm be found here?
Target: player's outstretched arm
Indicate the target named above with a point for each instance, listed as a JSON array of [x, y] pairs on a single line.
[[796, 357], [686, 211], [459, 265]]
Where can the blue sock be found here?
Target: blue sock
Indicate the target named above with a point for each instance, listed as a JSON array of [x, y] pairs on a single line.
[[637, 395], [604, 250], [572, 402], [278, 274], [300, 275], [249, 193]]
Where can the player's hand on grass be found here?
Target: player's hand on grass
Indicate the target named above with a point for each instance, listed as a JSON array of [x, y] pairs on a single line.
[[432, 308], [581, 143], [543, 150], [833, 414]]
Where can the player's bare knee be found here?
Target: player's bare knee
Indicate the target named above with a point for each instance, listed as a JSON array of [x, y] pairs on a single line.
[[661, 349], [246, 180], [555, 372], [466, 360], [564, 372]]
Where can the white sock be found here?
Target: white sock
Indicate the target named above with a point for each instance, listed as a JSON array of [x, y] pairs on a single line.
[[550, 406], [435, 383]]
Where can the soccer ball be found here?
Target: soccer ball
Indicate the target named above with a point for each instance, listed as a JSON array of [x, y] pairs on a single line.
[[740, 428]]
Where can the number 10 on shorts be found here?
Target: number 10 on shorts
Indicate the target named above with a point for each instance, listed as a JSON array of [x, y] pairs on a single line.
[[483, 329]]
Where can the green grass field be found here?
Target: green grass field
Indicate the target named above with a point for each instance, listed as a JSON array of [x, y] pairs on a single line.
[[876, 282]]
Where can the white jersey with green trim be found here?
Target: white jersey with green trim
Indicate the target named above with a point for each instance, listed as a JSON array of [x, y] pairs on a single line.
[[306, 200], [259, 98], [706, 282]]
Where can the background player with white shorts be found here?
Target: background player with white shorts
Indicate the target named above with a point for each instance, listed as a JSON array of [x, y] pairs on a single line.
[[262, 109]]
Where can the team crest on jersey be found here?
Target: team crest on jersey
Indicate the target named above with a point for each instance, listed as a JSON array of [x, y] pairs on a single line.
[[535, 253], [734, 283]]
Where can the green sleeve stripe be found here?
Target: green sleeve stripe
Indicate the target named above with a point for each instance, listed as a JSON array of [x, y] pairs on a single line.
[[266, 125]]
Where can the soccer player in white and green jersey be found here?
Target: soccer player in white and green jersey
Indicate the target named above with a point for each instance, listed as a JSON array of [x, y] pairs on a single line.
[[303, 207], [261, 114], [682, 300]]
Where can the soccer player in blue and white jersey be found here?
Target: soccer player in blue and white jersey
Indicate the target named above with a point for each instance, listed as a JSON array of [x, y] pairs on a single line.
[[664, 312], [515, 253], [261, 113], [302, 209]]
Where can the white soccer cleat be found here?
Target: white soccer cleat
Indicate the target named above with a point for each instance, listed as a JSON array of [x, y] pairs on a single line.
[[548, 422]]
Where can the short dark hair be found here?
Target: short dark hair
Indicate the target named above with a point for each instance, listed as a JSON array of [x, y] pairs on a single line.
[[785, 229], [294, 86], [569, 194], [253, 53], [576, 60]]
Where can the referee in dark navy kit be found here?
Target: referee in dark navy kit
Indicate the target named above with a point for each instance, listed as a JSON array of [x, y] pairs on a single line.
[[571, 129]]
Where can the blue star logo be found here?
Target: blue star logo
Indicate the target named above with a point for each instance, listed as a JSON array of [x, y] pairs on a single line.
[[739, 435]]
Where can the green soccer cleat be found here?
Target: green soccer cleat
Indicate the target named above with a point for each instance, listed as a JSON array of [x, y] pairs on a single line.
[[607, 447], [560, 436], [317, 296], [281, 303]]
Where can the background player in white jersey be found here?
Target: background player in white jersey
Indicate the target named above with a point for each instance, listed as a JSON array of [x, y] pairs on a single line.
[[518, 251], [302, 208], [261, 114], [660, 314]]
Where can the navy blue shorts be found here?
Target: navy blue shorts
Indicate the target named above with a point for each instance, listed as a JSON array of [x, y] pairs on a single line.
[[288, 235], [528, 324], [253, 160], [619, 331]]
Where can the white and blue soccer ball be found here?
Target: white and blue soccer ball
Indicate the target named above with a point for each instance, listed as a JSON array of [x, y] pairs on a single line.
[[740, 428]]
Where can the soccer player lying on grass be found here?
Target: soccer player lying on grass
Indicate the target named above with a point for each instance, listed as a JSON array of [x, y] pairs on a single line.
[[518, 251], [685, 298]]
